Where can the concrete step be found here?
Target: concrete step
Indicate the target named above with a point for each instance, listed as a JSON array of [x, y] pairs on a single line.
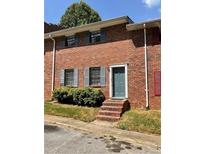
[[110, 113], [107, 118], [111, 108]]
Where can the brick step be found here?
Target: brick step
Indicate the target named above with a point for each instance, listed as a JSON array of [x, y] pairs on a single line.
[[113, 103], [112, 108], [110, 113], [107, 118], [115, 100]]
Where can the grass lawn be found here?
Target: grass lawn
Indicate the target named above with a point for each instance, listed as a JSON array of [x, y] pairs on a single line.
[[141, 121], [86, 114]]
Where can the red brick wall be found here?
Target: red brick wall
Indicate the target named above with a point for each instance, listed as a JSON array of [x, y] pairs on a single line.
[[120, 47], [47, 69], [154, 64]]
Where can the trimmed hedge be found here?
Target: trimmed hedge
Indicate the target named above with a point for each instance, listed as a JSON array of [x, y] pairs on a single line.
[[80, 96], [63, 94]]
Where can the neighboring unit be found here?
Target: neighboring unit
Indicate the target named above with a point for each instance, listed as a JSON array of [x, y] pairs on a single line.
[[120, 57]]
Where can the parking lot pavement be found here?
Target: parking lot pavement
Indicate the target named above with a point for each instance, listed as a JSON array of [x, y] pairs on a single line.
[[69, 141]]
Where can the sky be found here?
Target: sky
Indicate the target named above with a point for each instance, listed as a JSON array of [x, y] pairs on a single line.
[[137, 10]]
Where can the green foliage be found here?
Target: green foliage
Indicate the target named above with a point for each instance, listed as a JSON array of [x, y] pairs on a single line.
[[141, 121], [63, 94], [80, 96], [88, 97], [79, 14], [86, 114], [123, 126]]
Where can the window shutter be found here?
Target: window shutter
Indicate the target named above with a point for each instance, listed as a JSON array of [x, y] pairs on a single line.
[[157, 83], [77, 41], [103, 35], [62, 82], [102, 76], [86, 77], [75, 82], [62, 42], [87, 38]]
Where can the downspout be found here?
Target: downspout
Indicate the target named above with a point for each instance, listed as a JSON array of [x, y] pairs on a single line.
[[53, 62], [146, 68]]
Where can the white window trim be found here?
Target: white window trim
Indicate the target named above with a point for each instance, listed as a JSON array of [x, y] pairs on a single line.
[[126, 81]]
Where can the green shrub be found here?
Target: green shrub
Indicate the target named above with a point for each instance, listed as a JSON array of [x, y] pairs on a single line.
[[63, 95], [88, 97], [80, 96]]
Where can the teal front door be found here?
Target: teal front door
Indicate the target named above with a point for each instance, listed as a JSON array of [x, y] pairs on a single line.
[[118, 82]]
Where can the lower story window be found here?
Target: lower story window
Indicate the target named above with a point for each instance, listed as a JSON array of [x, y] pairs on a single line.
[[69, 77], [94, 76]]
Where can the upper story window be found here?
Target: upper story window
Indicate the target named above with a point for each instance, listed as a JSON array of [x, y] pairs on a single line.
[[95, 37], [70, 41], [94, 76], [90, 38]]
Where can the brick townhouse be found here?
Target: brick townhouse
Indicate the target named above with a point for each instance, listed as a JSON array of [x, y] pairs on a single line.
[[119, 56]]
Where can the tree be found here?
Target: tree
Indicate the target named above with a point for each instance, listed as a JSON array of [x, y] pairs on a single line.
[[79, 14]]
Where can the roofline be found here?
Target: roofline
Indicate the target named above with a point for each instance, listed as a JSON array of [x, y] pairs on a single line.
[[89, 27], [140, 25]]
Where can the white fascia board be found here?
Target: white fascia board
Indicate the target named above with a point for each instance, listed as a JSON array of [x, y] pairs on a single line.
[[149, 24], [89, 27]]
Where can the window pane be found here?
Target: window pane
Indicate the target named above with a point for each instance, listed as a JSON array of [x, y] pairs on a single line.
[[71, 40], [95, 37], [69, 77], [95, 76]]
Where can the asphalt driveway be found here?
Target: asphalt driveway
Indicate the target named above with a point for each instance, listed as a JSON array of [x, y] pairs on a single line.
[[69, 141]]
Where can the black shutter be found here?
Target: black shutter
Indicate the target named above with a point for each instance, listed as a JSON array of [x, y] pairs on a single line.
[[103, 35], [63, 42], [87, 38], [77, 41]]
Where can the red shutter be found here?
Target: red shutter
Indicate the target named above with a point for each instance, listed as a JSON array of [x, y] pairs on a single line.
[[157, 83]]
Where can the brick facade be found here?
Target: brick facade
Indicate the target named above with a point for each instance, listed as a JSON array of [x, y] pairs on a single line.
[[121, 46]]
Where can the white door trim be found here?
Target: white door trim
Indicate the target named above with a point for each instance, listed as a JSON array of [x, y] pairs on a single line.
[[126, 81]]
